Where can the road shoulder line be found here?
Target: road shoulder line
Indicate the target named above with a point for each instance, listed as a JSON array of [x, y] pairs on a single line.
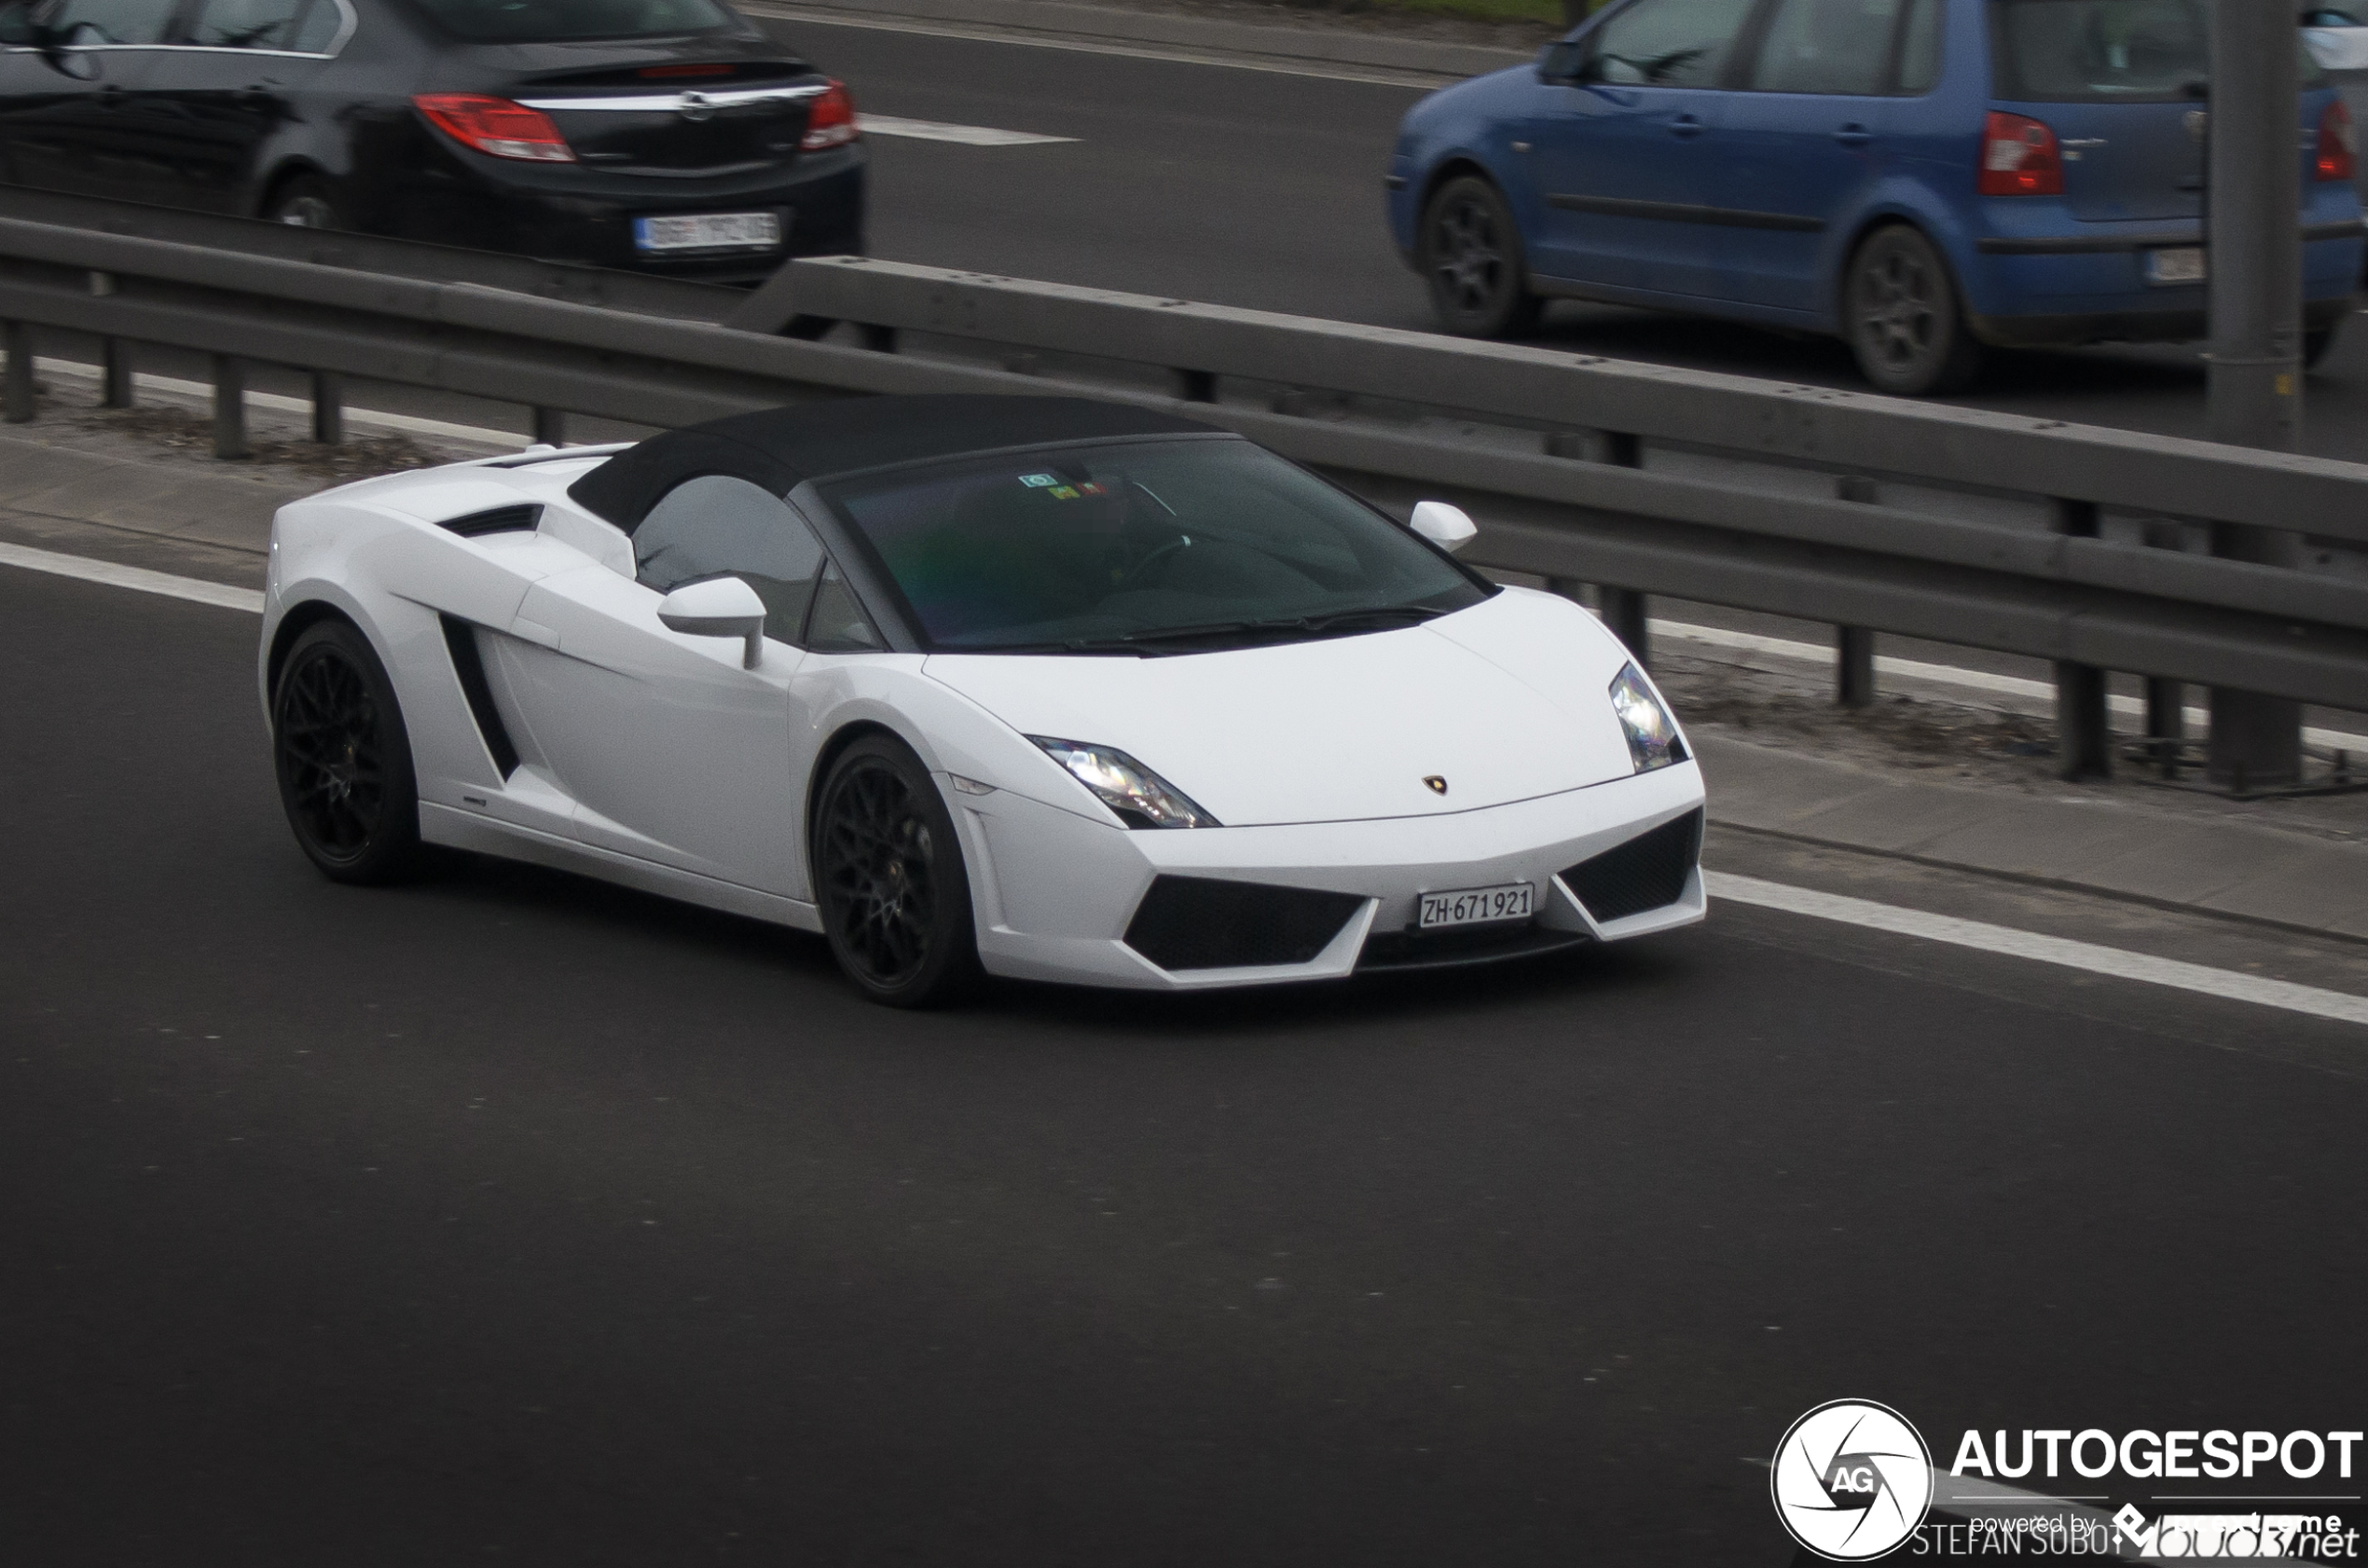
[[2115, 962], [1351, 57], [114, 574]]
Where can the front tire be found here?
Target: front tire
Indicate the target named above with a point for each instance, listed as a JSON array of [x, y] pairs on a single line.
[[1470, 252], [344, 758], [1901, 310], [894, 893]]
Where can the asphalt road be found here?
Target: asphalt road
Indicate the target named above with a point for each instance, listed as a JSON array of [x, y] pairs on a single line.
[[1264, 190], [508, 1218]]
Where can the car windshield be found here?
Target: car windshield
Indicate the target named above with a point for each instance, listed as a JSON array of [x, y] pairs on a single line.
[[2087, 52], [1146, 547], [543, 22]]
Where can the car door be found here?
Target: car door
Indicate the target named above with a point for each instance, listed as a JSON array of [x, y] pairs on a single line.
[[70, 120], [670, 749], [1628, 159], [1810, 134], [213, 101]]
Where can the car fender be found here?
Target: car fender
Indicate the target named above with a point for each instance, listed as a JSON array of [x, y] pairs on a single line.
[[1899, 197], [1472, 123]]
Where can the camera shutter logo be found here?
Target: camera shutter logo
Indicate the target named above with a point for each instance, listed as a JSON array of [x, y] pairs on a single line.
[[1851, 1480]]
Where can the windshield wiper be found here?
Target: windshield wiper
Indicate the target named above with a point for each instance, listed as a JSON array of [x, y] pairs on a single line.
[[1151, 641], [1372, 618]]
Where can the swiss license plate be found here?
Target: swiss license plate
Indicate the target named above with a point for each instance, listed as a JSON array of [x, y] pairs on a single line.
[[1474, 906], [709, 231], [2180, 264]]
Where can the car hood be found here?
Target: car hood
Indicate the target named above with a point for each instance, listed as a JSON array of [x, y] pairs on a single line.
[[1504, 701]]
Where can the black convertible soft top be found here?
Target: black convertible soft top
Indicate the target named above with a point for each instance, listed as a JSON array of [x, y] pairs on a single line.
[[778, 449]]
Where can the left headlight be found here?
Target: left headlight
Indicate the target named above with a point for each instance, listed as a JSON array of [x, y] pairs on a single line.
[[1652, 735], [1141, 798]]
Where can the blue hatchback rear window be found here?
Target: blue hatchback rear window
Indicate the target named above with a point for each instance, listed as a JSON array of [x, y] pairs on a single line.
[[2098, 51]]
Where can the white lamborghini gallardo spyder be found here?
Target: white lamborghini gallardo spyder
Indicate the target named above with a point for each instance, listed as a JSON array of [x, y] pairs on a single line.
[[1043, 687]]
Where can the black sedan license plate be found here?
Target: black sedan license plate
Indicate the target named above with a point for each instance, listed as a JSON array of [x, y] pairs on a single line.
[[1474, 906], [709, 231]]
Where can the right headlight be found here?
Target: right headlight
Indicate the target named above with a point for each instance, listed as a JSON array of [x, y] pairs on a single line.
[[1652, 735], [1141, 798]]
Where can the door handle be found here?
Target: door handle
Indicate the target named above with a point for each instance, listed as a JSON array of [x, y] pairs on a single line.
[[1853, 135], [1684, 125]]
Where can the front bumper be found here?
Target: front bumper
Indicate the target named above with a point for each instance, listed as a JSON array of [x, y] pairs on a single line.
[[1055, 892]]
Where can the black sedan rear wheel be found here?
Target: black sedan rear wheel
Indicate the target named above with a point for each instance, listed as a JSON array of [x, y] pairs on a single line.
[[1470, 252], [344, 757], [894, 893], [306, 202]]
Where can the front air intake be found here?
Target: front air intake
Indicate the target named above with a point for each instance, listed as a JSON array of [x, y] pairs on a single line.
[[1200, 923], [1648, 872]]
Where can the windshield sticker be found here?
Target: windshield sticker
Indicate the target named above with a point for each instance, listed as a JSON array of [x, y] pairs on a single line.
[[1040, 481]]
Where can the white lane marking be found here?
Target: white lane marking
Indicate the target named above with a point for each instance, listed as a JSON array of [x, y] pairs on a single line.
[[967, 135], [280, 403], [193, 588], [1918, 670], [2115, 962], [1377, 75]]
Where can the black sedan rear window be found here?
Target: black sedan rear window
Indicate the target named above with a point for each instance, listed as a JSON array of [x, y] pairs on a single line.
[[1158, 546], [544, 22]]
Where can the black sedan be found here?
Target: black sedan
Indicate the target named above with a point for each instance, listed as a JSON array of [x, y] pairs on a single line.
[[664, 135]]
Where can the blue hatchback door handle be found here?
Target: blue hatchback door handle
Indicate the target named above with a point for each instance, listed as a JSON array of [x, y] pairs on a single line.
[[1853, 135], [1684, 125]]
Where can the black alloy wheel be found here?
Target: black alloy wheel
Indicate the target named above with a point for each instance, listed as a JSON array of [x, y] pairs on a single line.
[[895, 896], [344, 758], [1901, 311], [305, 203], [1469, 250]]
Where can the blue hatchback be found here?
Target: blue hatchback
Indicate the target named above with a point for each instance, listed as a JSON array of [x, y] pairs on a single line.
[[1918, 177]]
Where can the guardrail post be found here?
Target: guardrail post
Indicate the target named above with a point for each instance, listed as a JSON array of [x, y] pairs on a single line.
[[114, 374], [1623, 609], [550, 427], [328, 408], [2083, 731], [18, 395], [1854, 646], [2166, 699], [230, 407]]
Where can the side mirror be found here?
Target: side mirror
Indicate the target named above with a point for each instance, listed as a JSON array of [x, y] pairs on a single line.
[[1444, 525], [719, 607]]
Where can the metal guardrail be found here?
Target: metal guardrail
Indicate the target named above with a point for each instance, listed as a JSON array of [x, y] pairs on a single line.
[[1572, 507]]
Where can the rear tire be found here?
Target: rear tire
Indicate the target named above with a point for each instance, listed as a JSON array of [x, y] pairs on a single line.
[[306, 202], [889, 875], [343, 758], [1470, 253], [1901, 312]]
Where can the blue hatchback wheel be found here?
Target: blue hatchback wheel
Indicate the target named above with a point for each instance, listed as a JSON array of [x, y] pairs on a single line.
[[1902, 319], [1471, 256]]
